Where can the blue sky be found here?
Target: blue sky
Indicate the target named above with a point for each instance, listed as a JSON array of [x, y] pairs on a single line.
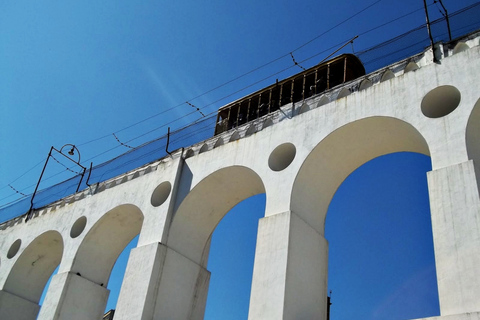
[[78, 72]]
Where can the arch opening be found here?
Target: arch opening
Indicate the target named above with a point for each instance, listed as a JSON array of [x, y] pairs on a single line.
[[100, 250], [194, 223], [231, 258], [34, 266], [105, 241], [341, 153], [196, 218], [118, 272], [381, 256]]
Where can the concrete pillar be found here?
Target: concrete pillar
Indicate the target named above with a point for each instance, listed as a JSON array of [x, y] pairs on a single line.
[[290, 271], [140, 283], [183, 289], [160, 283], [15, 307], [71, 297], [455, 209]]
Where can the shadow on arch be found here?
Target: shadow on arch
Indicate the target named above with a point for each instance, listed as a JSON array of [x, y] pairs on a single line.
[[98, 253], [105, 241], [339, 154], [473, 137], [189, 239], [29, 275], [204, 207]]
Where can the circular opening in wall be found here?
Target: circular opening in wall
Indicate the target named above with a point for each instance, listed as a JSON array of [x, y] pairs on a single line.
[[440, 101], [161, 193], [14, 249], [282, 156], [78, 227]]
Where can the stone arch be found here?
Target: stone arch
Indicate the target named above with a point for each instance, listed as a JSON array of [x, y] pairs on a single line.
[[189, 236], [204, 207], [34, 266], [339, 154], [472, 137], [105, 241]]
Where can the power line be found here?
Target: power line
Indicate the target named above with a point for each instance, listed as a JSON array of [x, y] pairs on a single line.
[[123, 144], [222, 85], [242, 75]]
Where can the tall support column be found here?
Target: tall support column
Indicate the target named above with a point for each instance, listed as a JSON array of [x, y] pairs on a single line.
[[183, 289], [71, 297], [18, 308], [160, 283], [455, 209], [290, 271], [140, 283]]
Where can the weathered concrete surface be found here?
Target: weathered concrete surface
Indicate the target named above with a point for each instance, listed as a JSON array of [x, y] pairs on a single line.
[[14, 307], [175, 204], [75, 298], [455, 207], [144, 268]]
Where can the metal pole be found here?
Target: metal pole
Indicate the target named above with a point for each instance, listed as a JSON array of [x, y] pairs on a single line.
[[446, 18], [45, 166], [429, 31], [168, 142], [331, 54], [38, 183], [89, 174]]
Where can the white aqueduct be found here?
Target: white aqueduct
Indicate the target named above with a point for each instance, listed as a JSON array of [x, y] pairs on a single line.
[[175, 203]]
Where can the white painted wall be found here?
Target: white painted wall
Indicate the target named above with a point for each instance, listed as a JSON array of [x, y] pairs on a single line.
[[175, 205]]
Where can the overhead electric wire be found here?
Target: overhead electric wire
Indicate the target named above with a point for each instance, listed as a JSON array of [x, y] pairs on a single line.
[[242, 75], [23, 174], [220, 86], [337, 25]]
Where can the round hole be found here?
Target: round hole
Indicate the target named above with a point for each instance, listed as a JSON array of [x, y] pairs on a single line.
[[161, 193], [78, 227], [282, 156], [14, 249], [440, 101]]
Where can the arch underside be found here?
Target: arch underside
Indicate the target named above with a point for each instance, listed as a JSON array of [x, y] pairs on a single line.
[[340, 153], [473, 137], [35, 265], [105, 241], [204, 207]]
